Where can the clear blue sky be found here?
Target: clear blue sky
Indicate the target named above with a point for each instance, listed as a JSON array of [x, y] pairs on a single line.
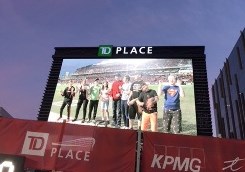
[[30, 29]]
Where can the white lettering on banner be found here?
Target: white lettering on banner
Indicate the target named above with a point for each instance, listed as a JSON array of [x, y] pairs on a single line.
[[175, 162], [124, 50], [78, 149], [142, 52], [175, 158], [35, 143], [70, 154], [134, 50], [118, 49], [232, 163], [149, 50]]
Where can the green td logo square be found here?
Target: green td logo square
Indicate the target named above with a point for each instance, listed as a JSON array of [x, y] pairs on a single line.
[[105, 51]]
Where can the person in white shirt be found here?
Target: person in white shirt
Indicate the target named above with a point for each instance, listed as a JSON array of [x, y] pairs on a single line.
[[125, 90], [104, 97]]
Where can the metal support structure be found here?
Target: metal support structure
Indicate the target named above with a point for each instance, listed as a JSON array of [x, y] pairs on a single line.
[[138, 153]]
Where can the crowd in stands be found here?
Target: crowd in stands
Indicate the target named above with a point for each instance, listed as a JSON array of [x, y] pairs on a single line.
[[152, 79], [153, 64], [152, 71]]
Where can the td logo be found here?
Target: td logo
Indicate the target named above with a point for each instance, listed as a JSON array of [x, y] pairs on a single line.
[[105, 51], [35, 143]]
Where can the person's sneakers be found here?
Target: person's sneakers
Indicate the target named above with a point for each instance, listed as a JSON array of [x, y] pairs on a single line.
[[113, 124], [107, 123], [83, 120], [59, 118], [99, 122], [93, 121], [88, 121], [74, 119]]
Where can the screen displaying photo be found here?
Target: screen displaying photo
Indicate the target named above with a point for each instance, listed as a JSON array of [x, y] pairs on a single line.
[[155, 94]]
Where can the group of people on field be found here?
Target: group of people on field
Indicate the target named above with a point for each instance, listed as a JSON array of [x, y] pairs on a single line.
[[130, 101]]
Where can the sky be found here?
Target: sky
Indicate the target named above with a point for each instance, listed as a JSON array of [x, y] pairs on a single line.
[[30, 29]]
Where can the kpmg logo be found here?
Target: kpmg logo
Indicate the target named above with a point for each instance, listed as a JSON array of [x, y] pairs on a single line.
[[35, 143], [172, 158], [105, 51]]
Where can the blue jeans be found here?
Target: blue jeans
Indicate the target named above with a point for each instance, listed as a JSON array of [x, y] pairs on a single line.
[[124, 108]]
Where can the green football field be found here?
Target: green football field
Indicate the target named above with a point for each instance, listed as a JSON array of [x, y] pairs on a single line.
[[187, 108]]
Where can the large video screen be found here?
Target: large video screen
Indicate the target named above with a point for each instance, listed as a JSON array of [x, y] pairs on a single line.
[[152, 94]]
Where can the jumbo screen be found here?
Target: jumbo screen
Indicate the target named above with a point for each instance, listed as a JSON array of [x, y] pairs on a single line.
[[88, 90]]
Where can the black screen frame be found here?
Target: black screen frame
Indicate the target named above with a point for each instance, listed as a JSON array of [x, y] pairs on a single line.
[[195, 53]]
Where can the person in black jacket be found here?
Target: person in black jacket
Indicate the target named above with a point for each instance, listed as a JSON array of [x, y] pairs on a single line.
[[148, 101], [82, 100], [68, 94]]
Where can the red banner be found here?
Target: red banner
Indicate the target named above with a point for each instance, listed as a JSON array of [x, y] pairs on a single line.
[[167, 152], [68, 147]]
